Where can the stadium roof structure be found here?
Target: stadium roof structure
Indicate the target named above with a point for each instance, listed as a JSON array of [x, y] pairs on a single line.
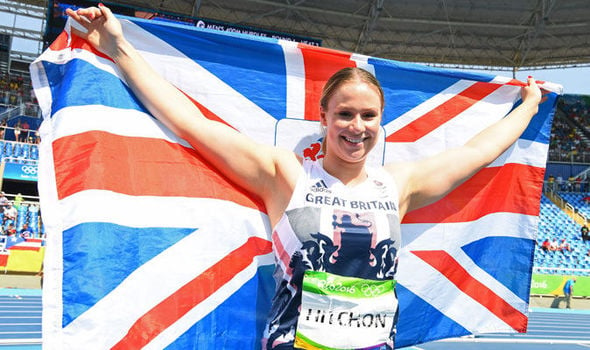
[[499, 34]]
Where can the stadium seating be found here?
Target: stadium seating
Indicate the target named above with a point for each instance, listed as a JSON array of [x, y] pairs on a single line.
[[27, 214], [577, 201], [569, 130], [555, 223], [19, 152], [569, 143]]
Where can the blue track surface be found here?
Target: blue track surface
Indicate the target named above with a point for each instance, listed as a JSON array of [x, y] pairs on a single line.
[[549, 329], [20, 319]]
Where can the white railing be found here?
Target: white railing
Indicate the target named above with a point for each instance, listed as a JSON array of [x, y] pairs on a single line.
[[553, 269]]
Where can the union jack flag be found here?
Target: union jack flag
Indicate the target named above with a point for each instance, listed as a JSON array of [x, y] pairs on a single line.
[[149, 246]]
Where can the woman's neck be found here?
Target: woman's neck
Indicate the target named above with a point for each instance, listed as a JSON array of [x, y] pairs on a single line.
[[350, 174]]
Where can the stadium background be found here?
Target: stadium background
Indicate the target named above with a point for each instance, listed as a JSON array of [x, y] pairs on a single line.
[[507, 36]]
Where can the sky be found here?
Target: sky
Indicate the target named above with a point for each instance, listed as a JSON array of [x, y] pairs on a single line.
[[573, 80]]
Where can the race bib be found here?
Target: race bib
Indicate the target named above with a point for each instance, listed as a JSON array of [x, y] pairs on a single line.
[[345, 312]]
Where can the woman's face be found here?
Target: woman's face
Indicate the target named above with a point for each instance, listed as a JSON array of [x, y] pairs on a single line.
[[352, 119]]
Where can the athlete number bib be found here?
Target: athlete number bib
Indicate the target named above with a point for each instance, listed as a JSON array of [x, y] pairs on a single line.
[[345, 312]]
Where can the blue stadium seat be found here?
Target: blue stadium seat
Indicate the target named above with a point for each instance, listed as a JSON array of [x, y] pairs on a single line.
[[555, 223], [26, 151], [8, 149], [17, 149], [34, 152]]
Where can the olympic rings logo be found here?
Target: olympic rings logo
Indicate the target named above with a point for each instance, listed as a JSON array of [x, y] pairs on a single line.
[[29, 169], [371, 290]]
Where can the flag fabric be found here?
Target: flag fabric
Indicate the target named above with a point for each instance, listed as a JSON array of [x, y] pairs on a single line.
[[21, 254], [149, 245], [18, 242]]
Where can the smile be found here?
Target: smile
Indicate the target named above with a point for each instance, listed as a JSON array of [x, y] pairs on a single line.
[[351, 140]]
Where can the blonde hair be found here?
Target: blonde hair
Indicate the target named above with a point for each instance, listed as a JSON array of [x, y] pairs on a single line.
[[346, 75]]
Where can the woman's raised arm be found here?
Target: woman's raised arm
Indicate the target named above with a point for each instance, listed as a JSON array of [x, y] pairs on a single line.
[[257, 168], [428, 180]]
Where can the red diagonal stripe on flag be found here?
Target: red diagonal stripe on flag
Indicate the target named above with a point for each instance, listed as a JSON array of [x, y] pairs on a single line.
[[104, 161], [512, 188], [456, 274], [443, 113], [61, 43], [163, 315], [206, 112], [320, 64]]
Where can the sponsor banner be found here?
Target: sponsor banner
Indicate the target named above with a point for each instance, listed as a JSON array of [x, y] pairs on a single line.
[[553, 284], [17, 171], [4, 258], [25, 261], [234, 28]]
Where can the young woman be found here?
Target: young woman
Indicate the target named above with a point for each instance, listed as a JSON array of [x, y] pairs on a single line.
[[336, 222]]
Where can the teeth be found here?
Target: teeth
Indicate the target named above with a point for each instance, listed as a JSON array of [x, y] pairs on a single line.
[[353, 140]]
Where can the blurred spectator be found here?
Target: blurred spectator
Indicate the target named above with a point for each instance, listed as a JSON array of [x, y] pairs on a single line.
[[3, 125], [559, 182], [17, 131], [570, 183], [551, 183], [15, 89], [578, 184], [585, 233], [25, 231], [10, 230], [570, 124], [554, 245], [10, 212], [3, 200], [18, 199], [546, 245], [21, 131], [564, 246]]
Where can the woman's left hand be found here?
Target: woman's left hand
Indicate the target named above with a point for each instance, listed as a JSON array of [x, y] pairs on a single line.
[[531, 92]]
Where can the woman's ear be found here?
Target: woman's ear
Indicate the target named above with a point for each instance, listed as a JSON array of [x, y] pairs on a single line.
[[323, 120]]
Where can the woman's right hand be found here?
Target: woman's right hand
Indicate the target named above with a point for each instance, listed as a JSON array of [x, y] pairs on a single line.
[[103, 29]]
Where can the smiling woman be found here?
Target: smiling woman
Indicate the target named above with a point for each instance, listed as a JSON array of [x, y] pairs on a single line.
[[336, 220], [351, 108]]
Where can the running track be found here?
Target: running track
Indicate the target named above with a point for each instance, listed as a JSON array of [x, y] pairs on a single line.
[[549, 329]]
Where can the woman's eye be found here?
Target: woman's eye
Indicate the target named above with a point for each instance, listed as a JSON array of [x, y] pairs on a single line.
[[345, 114]]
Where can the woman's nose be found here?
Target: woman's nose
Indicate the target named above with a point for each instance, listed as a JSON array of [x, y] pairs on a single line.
[[357, 122]]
